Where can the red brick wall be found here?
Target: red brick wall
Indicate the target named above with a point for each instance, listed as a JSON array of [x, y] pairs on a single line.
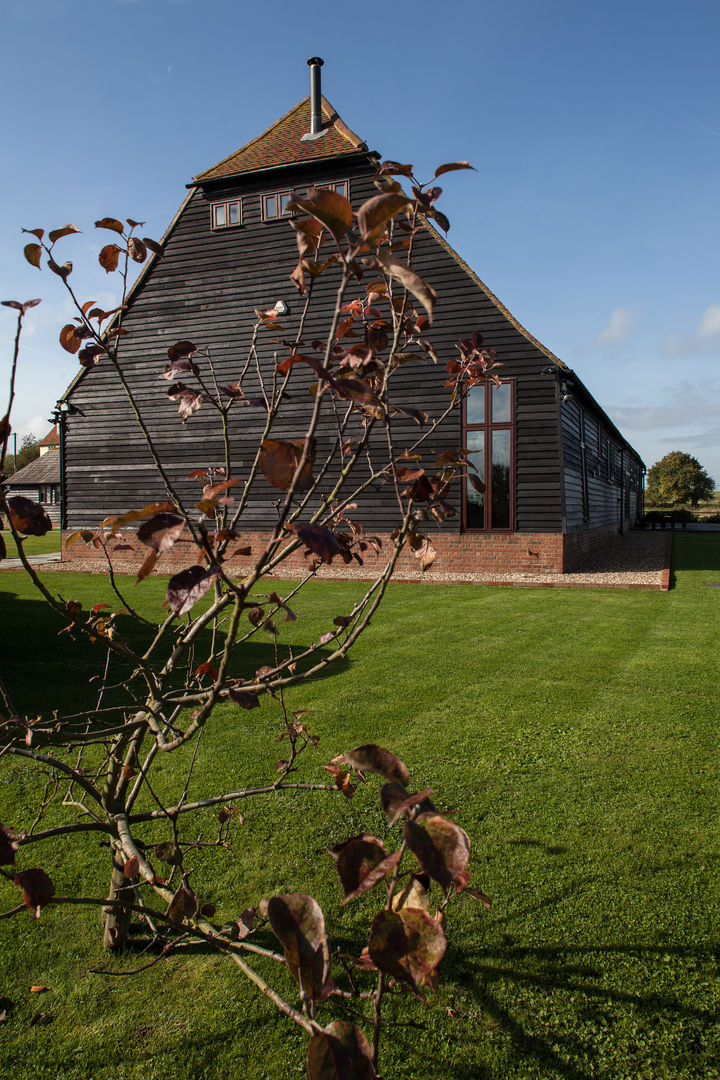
[[456, 554]]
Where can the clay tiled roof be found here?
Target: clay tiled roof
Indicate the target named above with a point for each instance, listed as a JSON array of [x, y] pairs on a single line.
[[282, 144], [52, 438]]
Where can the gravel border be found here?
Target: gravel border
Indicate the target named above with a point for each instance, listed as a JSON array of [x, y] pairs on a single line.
[[636, 560]]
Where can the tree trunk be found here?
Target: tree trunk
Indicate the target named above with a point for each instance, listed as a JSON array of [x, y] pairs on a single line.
[[116, 919]]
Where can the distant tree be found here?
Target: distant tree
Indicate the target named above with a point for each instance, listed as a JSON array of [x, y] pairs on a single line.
[[677, 478], [29, 450]]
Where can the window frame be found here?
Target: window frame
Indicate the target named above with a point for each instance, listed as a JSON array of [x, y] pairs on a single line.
[[276, 195], [487, 427], [333, 186], [225, 204]]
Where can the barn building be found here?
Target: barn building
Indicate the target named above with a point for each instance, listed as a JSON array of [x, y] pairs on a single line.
[[39, 480], [560, 479]]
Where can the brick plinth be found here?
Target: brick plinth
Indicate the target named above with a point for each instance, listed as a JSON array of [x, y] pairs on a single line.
[[578, 545], [456, 554]]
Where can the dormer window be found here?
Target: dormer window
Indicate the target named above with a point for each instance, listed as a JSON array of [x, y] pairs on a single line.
[[226, 214], [276, 206]]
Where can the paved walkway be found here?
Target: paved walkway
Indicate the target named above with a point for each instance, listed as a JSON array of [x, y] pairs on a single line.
[[34, 560]]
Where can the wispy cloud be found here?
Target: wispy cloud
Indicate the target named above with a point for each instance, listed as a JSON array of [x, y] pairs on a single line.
[[705, 337], [618, 329]]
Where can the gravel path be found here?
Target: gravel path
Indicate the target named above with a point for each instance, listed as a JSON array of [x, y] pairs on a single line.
[[637, 560]]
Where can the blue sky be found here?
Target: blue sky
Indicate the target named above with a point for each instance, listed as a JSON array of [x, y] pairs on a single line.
[[595, 130]]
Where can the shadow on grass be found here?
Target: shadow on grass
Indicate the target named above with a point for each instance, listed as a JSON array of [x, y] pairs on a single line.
[[696, 551], [43, 664]]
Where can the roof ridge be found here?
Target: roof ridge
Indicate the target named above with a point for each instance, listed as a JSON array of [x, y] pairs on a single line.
[[282, 149]]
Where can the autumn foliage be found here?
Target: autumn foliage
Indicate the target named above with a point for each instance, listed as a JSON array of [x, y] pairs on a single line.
[[169, 693]]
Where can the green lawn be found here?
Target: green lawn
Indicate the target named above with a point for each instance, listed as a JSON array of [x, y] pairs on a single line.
[[32, 545], [574, 734]]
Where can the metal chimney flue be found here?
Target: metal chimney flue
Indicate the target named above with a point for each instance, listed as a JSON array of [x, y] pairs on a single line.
[[316, 128]]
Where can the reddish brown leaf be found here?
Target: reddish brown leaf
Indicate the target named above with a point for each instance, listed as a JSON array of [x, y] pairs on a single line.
[[28, 517], [339, 1052], [131, 868], [298, 924], [279, 459], [322, 542], [33, 254], [330, 209], [109, 257], [423, 550], [407, 944], [161, 531], [57, 234], [374, 214], [189, 586], [208, 668], [137, 250], [410, 281], [440, 846], [452, 167], [396, 801], [372, 758], [361, 862], [110, 223], [244, 698], [190, 400], [38, 889], [152, 245], [63, 271], [9, 844], [184, 905], [125, 519]]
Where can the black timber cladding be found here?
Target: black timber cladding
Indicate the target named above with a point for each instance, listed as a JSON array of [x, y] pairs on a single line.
[[206, 288]]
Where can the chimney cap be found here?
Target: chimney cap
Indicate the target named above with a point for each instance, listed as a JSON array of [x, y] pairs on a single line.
[[315, 60]]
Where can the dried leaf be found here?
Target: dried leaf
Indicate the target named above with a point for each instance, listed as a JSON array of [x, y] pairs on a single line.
[[396, 801], [137, 250], [452, 167], [69, 339], [245, 698], [109, 257], [28, 517], [184, 905], [328, 207], [361, 862], [110, 223], [9, 843], [33, 254], [407, 944], [374, 214], [125, 519], [279, 459], [298, 924], [339, 1052], [57, 234], [440, 846], [38, 889], [372, 758], [186, 588], [131, 868], [161, 531], [410, 281]]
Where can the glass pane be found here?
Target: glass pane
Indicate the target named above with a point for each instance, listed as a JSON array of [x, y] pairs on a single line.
[[284, 200], [219, 215], [500, 480], [341, 189], [475, 500], [475, 405], [501, 404], [269, 207], [233, 213]]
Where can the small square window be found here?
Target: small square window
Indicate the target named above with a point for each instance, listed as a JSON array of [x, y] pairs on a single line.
[[226, 214], [341, 187], [276, 206]]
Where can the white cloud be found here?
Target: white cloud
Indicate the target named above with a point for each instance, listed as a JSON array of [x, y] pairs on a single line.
[[705, 337], [709, 325], [619, 327]]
